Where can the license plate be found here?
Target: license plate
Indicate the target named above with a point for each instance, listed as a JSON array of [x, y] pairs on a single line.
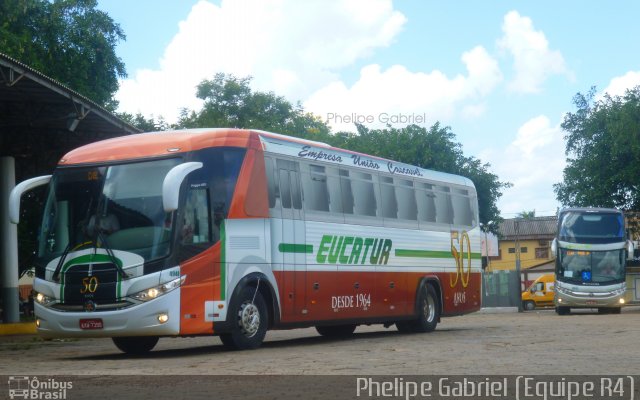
[[94, 323], [591, 302]]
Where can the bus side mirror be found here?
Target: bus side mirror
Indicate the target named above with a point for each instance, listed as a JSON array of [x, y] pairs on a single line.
[[554, 247], [19, 190], [172, 182]]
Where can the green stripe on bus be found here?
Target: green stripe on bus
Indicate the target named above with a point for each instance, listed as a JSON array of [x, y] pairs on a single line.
[[86, 259], [295, 248], [430, 254]]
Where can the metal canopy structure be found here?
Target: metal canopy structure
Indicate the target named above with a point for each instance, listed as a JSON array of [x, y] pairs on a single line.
[[35, 110], [40, 121]]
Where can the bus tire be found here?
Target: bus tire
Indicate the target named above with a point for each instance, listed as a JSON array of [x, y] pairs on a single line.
[[563, 310], [250, 322], [615, 310], [428, 312], [529, 305], [135, 344], [336, 331]]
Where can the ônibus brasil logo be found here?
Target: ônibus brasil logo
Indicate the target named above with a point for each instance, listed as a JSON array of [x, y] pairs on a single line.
[[24, 387]]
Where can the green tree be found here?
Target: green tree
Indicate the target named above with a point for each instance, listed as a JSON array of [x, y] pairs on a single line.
[[603, 152], [527, 214], [68, 40], [150, 124], [229, 102]]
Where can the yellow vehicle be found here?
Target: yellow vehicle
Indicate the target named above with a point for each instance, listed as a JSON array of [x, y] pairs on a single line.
[[540, 293]]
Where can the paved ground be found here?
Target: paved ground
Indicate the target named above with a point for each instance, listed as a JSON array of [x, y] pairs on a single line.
[[538, 342]]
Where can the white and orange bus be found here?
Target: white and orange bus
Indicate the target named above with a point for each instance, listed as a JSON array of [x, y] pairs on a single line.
[[233, 232]]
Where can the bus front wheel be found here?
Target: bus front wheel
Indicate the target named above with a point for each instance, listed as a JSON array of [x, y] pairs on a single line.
[[562, 310], [529, 305], [250, 323], [135, 345], [428, 312]]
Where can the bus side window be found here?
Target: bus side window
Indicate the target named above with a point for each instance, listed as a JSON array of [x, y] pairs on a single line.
[[296, 193], [272, 183], [444, 211], [197, 232], [314, 186], [347, 195], [426, 203], [388, 194], [407, 207], [334, 188], [462, 209], [364, 194]]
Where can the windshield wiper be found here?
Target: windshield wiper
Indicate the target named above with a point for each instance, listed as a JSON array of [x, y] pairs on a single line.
[[56, 273], [112, 256]]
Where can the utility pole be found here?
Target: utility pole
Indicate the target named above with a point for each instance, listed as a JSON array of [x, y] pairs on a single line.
[[519, 280]]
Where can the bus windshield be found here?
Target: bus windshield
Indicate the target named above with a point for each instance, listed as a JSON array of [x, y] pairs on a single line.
[[591, 227], [591, 267], [120, 205]]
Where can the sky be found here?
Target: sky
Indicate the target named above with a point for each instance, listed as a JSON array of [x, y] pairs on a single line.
[[500, 74]]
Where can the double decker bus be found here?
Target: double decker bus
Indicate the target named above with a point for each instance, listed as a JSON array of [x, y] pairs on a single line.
[[591, 250], [233, 232]]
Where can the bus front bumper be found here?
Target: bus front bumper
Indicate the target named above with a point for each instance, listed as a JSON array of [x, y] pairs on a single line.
[[138, 320], [586, 300]]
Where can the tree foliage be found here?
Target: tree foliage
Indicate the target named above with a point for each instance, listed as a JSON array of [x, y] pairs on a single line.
[[229, 102], [527, 214], [603, 152], [68, 40], [151, 124]]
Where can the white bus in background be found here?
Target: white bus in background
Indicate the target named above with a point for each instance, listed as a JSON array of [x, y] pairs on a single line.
[[591, 251]]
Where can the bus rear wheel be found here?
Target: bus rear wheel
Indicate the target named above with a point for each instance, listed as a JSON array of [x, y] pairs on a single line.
[[428, 312], [336, 331], [250, 323], [135, 345]]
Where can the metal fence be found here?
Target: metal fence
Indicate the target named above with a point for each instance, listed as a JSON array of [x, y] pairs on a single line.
[[500, 289]]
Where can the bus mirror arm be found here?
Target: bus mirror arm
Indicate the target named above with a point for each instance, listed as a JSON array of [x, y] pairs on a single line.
[[173, 181], [630, 248], [19, 190]]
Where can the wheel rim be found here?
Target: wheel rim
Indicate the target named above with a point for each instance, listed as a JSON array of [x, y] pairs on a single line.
[[429, 308], [249, 319]]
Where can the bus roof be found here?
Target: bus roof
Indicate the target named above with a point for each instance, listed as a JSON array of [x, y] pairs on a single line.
[[590, 209], [155, 144]]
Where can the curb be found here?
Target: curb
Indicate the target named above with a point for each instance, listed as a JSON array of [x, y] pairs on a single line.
[[498, 310], [23, 328]]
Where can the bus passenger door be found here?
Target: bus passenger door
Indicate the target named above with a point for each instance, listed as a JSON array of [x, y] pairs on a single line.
[[292, 246]]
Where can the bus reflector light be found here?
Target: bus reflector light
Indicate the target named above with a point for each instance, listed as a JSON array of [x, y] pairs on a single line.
[[162, 318], [220, 306]]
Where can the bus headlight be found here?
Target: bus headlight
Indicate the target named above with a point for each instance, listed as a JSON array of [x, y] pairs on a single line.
[[43, 299], [157, 291]]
